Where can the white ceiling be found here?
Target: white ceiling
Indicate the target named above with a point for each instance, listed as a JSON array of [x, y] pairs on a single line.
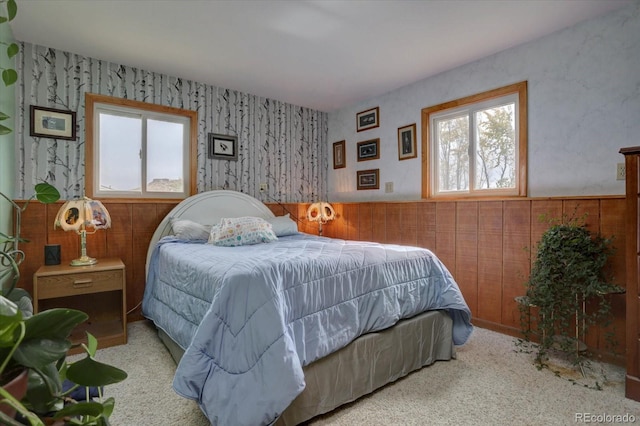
[[321, 54]]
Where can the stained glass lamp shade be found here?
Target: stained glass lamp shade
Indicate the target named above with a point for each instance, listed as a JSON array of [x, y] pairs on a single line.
[[320, 212], [83, 216]]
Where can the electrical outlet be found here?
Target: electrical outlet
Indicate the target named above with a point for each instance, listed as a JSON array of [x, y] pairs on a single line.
[[388, 187], [263, 187], [621, 172]]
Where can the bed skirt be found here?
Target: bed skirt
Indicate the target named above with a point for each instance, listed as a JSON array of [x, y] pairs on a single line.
[[368, 363]]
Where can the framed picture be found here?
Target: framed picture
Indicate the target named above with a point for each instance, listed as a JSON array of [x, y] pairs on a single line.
[[52, 123], [407, 142], [368, 179], [223, 147], [368, 119], [339, 160], [369, 150]]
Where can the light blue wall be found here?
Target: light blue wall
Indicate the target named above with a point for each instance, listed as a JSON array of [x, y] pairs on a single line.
[[584, 105]]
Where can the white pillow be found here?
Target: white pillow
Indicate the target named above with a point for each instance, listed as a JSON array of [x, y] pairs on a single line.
[[283, 225], [239, 231], [186, 229]]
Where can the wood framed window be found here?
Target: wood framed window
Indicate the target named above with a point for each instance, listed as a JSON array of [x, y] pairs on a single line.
[[137, 150], [476, 146]]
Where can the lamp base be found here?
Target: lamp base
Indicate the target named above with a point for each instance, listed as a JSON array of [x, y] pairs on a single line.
[[84, 261]]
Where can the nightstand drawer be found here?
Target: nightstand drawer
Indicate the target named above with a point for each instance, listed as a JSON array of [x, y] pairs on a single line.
[[79, 283]]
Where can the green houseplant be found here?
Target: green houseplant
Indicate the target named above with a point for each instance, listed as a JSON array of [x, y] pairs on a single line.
[[40, 343], [11, 256], [9, 75], [568, 290]]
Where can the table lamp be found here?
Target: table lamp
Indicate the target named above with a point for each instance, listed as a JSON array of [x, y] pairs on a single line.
[[320, 212], [80, 216]]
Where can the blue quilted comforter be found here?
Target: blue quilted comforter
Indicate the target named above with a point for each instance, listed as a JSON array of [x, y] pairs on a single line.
[[251, 317]]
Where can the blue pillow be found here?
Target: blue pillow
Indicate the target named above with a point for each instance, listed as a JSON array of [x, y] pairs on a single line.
[[283, 225]]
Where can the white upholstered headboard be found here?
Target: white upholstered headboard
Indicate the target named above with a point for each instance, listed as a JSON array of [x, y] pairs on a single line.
[[208, 208]]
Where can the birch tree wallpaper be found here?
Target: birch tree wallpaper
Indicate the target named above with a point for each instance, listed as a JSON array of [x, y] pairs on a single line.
[[282, 145]]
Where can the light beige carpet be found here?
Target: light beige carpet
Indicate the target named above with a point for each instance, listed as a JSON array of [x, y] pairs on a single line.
[[490, 382]]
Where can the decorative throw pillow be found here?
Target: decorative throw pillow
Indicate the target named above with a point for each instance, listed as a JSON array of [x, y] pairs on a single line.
[[283, 225], [189, 230], [239, 231]]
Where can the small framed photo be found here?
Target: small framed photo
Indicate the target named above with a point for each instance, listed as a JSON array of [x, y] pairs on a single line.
[[223, 147], [339, 160], [368, 179], [369, 150], [368, 119], [52, 123], [407, 142]]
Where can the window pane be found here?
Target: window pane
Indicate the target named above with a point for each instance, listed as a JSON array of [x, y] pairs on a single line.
[[495, 138], [453, 153], [165, 156], [492, 126], [120, 145]]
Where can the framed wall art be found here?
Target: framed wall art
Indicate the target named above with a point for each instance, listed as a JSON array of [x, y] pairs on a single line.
[[339, 160], [52, 123], [223, 147], [369, 150], [407, 142], [368, 179], [368, 119]]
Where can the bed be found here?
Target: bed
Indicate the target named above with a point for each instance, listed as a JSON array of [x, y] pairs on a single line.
[[281, 331]]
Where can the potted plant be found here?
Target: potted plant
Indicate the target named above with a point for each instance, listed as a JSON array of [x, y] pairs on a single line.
[[39, 344], [35, 347], [568, 289]]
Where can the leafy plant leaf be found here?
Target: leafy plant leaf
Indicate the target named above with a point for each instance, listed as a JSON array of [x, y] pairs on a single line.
[[12, 50], [46, 193], [9, 76], [109, 405], [55, 323], [12, 9], [89, 372], [46, 335], [4, 116], [37, 353], [10, 318], [4, 130], [9, 311], [92, 344], [93, 409], [43, 388]]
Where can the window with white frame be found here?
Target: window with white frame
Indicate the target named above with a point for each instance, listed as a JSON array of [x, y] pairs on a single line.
[[476, 146], [138, 150]]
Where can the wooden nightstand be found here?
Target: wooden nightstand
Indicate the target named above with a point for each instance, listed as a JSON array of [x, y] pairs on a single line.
[[98, 290]]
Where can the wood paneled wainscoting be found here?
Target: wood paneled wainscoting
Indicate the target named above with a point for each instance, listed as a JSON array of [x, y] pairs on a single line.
[[485, 245], [132, 225]]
